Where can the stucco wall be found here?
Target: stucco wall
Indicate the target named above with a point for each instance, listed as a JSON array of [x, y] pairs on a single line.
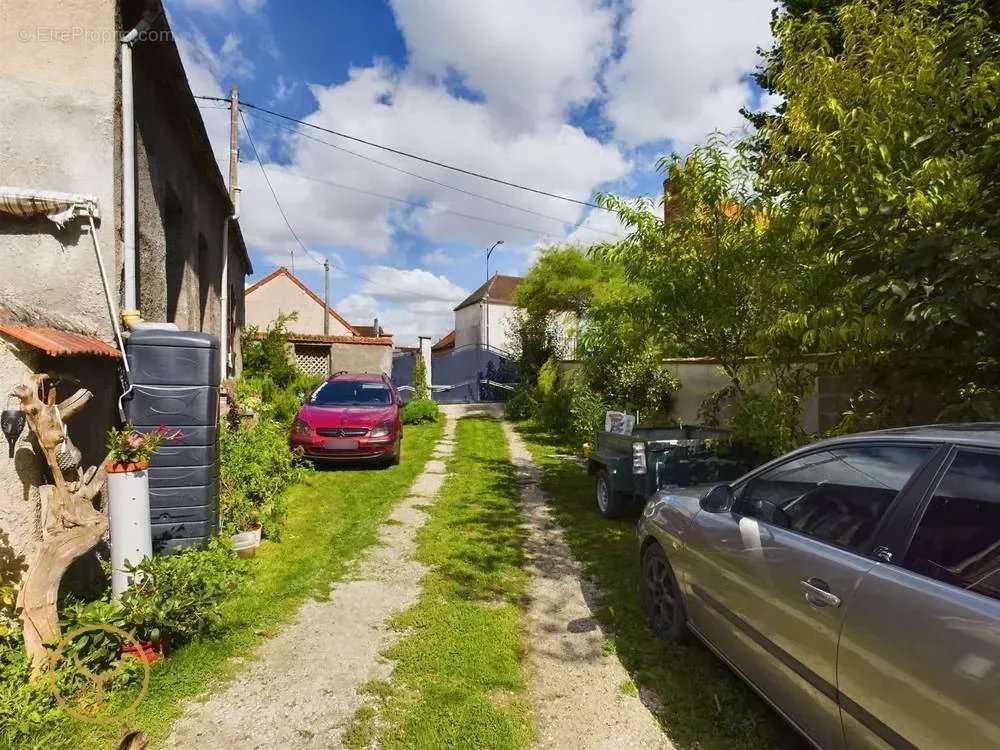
[[59, 103], [282, 296], [362, 358], [58, 114], [469, 326], [499, 319]]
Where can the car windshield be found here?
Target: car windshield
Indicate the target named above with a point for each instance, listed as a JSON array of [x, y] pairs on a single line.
[[352, 393]]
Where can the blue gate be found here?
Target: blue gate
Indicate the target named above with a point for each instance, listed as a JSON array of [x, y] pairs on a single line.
[[462, 375]]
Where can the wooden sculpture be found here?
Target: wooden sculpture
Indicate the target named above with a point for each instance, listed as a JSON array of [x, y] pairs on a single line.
[[71, 522]]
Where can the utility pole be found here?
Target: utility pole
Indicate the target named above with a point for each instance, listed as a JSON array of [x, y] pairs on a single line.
[[234, 199], [326, 315]]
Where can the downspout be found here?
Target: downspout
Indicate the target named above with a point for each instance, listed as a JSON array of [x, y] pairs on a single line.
[[224, 294], [129, 260]]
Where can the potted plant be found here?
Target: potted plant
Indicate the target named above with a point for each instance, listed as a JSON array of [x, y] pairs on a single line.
[[129, 452], [242, 519]]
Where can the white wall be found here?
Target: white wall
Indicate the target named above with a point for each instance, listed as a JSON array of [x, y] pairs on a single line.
[[468, 326], [499, 318]]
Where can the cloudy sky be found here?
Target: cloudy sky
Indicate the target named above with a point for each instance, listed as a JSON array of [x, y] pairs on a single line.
[[568, 96]]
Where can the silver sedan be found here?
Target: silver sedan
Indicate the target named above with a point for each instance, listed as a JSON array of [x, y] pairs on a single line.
[[854, 583]]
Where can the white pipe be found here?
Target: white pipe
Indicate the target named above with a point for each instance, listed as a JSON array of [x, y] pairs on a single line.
[[224, 295], [128, 173]]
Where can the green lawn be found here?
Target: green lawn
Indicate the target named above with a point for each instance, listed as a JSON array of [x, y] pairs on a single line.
[[332, 517], [459, 680], [704, 704]]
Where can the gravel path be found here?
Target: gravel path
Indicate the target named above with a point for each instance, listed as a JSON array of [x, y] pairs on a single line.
[[299, 692], [575, 688]]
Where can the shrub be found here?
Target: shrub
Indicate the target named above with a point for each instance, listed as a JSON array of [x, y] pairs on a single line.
[[420, 410], [177, 597], [522, 403], [27, 708], [256, 467], [420, 380], [586, 414], [265, 353]]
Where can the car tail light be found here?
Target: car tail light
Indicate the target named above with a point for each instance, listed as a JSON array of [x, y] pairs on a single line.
[[638, 458]]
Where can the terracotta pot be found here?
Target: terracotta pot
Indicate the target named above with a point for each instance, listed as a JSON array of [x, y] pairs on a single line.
[[116, 468], [151, 652]]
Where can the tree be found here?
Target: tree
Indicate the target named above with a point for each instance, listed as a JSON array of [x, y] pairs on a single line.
[[709, 275], [884, 162]]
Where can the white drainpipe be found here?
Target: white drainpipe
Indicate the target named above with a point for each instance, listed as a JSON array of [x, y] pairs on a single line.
[[224, 294], [128, 174]]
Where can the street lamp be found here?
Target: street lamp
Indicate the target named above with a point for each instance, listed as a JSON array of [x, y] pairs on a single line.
[[487, 297]]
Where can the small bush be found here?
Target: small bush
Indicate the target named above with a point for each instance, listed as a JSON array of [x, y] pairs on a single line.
[[256, 467], [420, 380], [521, 404], [178, 597], [420, 410], [27, 709]]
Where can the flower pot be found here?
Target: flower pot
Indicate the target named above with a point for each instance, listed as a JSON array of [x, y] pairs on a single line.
[[128, 514], [245, 543], [151, 652]]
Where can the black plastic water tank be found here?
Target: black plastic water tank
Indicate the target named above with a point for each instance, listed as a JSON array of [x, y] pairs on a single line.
[[175, 375]]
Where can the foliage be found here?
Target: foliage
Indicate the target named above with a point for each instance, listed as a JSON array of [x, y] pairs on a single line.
[[709, 272], [284, 402], [884, 161], [420, 392], [566, 405], [421, 410], [265, 354], [522, 403], [256, 467], [563, 279], [129, 446], [27, 708], [177, 597]]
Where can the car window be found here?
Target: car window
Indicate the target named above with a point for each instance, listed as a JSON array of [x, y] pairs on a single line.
[[836, 495], [352, 393], [958, 538]]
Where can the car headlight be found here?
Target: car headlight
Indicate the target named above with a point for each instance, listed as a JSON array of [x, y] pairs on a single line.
[[301, 428], [382, 430]]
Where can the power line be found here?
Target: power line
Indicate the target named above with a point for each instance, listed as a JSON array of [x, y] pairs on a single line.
[[396, 199], [275, 195], [424, 159], [431, 180]]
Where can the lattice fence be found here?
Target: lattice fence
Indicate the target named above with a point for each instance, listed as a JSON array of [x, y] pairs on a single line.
[[311, 359]]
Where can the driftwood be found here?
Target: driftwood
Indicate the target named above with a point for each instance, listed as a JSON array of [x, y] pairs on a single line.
[[71, 523]]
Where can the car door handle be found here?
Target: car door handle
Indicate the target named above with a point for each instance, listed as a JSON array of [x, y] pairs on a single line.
[[818, 594]]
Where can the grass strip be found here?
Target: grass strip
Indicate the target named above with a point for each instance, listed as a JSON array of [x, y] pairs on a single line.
[[332, 517], [459, 680], [702, 704]]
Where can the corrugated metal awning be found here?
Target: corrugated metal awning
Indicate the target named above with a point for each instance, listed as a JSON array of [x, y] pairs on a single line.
[[58, 343]]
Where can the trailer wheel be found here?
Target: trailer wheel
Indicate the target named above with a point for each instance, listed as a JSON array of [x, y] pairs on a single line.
[[610, 504]]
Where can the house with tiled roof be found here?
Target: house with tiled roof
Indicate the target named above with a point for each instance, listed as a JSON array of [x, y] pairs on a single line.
[[484, 317], [320, 338]]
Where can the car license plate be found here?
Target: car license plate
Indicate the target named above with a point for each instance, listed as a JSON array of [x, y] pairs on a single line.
[[340, 444]]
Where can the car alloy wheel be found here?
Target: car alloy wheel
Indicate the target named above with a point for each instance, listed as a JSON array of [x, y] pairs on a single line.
[[661, 599]]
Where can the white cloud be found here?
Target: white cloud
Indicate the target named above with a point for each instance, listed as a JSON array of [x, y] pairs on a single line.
[[436, 257], [682, 74], [408, 302], [283, 89], [531, 60], [598, 226]]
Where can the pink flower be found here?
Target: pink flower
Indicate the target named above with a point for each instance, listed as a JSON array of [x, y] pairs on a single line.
[[135, 440]]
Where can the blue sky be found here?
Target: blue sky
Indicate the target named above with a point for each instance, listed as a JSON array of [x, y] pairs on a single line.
[[569, 96]]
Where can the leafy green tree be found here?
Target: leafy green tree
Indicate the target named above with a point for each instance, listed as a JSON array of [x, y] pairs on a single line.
[[709, 274], [266, 354], [420, 392], [885, 162]]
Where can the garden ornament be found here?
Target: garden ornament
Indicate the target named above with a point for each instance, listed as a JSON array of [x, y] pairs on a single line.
[[12, 423]]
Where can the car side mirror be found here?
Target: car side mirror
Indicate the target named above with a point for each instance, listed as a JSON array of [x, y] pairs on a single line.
[[719, 499]]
